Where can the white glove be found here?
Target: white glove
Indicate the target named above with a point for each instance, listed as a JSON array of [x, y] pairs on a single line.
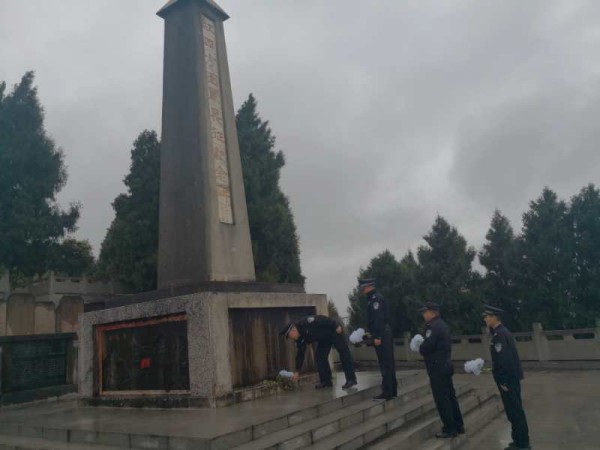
[[416, 342], [286, 374], [357, 336], [474, 366]]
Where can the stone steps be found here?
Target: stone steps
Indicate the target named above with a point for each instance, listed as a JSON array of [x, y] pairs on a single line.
[[243, 438], [308, 432], [25, 443], [393, 419], [477, 407], [475, 421], [320, 414], [85, 439], [350, 421]]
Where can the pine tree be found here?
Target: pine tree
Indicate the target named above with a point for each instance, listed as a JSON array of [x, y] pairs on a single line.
[[498, 257], [446, 277], [405, 313], [274, 238], [585, 217], [32, 172], [72, 258], [546, 263], [386, 271], [128, 253]]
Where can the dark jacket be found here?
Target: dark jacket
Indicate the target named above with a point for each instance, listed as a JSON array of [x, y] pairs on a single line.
[[312, 329], [505, 359], [378, 314], [437, 346]]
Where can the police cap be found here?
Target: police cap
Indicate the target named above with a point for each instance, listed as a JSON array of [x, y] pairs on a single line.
[[429, 306], [286, 330], [492, 311], [366, 282]]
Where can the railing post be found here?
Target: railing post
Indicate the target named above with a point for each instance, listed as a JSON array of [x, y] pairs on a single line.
[[407, 351], [486, 340], [541, 343], [74, 359]]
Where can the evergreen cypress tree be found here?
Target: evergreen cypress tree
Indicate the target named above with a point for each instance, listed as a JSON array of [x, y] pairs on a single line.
[[32, 172], [128, 252], [72, 258], [385, 268], [498, 257], [585, 217], [546, 263], [274, 238], [446, 277]]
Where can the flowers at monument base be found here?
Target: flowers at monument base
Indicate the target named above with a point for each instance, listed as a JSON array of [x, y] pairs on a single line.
[[286, 374], [285, 382]]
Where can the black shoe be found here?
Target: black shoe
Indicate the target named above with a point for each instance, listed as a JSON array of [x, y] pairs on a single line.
[[349, 384], [382, 397], [513, 446], [445, 435], [323, 384], [461, 430]]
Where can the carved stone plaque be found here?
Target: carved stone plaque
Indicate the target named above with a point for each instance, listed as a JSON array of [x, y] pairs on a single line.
[[217, 130], [144, 355]]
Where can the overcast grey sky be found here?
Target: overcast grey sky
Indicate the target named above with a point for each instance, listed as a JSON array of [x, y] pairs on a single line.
[[388, 112]]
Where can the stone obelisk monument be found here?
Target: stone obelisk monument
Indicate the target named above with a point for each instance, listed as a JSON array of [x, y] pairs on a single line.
[[210, 331], [204, 233]]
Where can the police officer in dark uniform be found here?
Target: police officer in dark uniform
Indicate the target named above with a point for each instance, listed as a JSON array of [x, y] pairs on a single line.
[[325, 332], [436, 350], [378, 315], [507, 375]]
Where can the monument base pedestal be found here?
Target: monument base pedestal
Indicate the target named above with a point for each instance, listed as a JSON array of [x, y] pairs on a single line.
[[190, 350]]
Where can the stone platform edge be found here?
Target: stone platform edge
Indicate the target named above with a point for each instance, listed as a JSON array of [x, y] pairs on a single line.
[[115, 301], [187, 401], [207, 315]]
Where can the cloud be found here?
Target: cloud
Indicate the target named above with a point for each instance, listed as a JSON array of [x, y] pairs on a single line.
[[389, 113]]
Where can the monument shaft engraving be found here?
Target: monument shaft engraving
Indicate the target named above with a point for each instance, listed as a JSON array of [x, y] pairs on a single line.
[[203, 225], [219, 146]]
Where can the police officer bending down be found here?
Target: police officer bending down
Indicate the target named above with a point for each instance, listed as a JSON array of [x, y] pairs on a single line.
[[508, 375], [436, 350], [378, 315], [325, 332]]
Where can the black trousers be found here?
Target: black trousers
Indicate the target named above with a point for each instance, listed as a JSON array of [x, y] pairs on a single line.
[[513, 406], [444, 396], [338, 341], [387, 366]]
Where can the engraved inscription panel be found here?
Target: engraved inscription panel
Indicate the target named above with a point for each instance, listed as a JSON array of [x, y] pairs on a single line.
[[144, 355], [218, 144]]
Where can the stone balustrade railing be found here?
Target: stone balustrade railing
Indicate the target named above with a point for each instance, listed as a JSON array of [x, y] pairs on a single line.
[[536, 345]]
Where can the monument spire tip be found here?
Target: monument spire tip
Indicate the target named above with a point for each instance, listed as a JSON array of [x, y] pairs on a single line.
[[162, 12]]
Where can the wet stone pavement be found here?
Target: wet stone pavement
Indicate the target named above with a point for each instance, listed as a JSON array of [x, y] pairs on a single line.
[[562, 408], [201, 423]]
